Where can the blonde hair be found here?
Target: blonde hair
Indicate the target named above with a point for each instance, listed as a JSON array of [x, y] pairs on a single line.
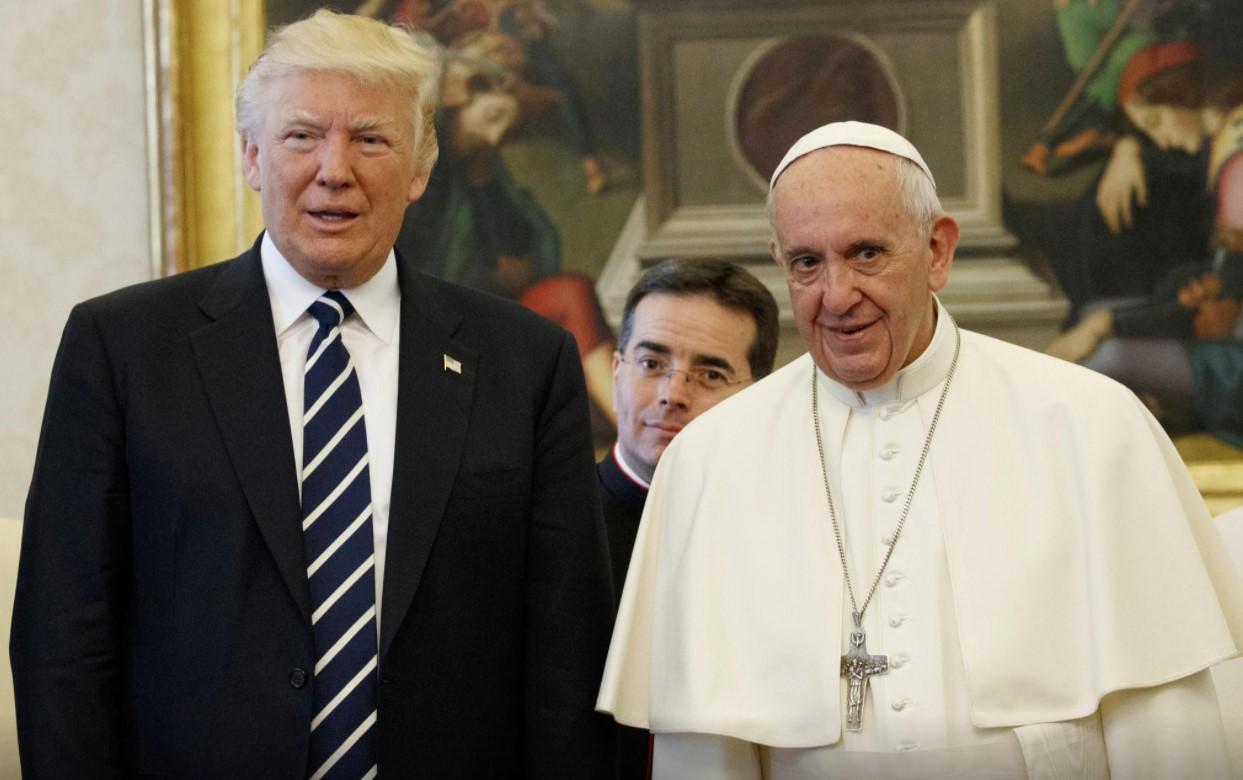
[[374, 52]]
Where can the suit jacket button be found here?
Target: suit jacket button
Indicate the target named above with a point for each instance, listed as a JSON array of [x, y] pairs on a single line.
[[297, 678]]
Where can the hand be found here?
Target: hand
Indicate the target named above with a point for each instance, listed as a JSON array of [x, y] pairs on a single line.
[[1078, 343], [371, 8], [595, 175], [1200, 291], [1122, 184], [1215, 319]]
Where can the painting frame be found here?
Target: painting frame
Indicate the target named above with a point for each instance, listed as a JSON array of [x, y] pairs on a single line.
[[195, 54]]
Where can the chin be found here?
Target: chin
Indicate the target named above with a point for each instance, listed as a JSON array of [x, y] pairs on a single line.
[[862, 380]]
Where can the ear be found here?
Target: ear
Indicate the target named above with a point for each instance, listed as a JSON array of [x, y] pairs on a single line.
[[418, 185], [616, 363], [942, 243], [775, 252], [250, 163]]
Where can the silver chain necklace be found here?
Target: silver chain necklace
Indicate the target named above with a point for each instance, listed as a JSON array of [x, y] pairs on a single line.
[[857, 665]]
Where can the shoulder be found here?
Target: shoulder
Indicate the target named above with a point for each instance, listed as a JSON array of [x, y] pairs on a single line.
[[180, 290], [997, 372], [158, 310], [484, 316], [1002, 358]]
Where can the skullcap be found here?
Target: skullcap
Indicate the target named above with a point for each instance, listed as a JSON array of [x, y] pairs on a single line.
[[852, 134]]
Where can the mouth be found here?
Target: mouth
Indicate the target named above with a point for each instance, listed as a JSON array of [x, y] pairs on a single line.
[[333, 216], [853, 330], [670, 428]]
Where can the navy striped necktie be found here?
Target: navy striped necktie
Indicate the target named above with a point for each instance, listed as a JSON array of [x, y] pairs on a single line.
[[340, 552]]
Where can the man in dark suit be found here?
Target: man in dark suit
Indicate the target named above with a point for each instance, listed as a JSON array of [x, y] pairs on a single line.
[[309, 512], [693, 333]]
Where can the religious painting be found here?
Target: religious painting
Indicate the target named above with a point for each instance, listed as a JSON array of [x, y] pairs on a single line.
[[1131, 191], [1081, 144]]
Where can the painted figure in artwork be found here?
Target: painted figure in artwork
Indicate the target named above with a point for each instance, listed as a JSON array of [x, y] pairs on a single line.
[[479, 226], [1182, 343]]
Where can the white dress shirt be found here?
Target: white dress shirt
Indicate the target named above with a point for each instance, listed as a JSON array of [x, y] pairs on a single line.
[[372, 338]]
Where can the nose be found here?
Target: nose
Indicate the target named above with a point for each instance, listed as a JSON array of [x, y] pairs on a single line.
[[839, 293], [335, 170], [675, 389]]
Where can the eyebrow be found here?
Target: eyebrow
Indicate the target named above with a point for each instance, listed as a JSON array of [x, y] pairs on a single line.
[[797, 251], [866, 243], [360, 125], [712, 361], [365, 123]]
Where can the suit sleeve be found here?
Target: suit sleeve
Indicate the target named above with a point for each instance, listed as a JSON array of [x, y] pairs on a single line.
[[569, 598], [67, 644]]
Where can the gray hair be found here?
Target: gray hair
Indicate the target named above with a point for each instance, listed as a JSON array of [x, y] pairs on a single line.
[[919, 197], [372, 51]]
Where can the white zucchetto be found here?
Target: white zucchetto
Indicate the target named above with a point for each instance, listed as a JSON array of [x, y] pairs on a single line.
[[852, 134]]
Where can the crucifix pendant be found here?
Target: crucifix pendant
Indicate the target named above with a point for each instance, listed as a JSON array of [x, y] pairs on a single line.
[[857, 667]]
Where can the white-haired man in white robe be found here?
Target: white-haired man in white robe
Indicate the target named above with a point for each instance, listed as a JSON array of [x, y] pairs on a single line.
[[917, 551]]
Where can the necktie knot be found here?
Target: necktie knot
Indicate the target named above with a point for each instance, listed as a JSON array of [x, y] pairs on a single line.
[[331, 309]]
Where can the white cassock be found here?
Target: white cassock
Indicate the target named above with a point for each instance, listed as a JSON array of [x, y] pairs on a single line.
[[1050, 608]]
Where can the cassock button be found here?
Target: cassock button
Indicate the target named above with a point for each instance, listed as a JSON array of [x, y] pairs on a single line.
[[887, 539], [907, 746], [297, 678], [900, 704], [888, 453], [894, 578], [898, 661], [897, 620], [889, 496]]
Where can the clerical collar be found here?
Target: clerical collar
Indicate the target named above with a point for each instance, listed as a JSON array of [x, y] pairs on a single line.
[[377, 300], [630, 473], [924, 373]]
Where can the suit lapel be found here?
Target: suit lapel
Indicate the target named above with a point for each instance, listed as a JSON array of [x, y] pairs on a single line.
[[433, 412], [240, 367]]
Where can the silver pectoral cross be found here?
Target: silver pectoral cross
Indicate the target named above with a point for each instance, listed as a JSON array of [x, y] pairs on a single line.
[[857, 667]]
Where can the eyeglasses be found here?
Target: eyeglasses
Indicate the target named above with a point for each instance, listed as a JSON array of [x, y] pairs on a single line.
[[705, 377]]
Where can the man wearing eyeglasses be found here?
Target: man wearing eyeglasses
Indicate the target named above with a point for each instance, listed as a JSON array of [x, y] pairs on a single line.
[[693, 333]]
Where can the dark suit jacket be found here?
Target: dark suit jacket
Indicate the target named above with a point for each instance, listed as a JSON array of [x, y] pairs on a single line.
[[162, 619], [623, 500]]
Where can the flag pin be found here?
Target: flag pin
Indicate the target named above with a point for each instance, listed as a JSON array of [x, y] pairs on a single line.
[[453, 364]]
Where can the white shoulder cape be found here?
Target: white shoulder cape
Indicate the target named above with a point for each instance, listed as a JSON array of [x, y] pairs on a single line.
[[1082, 558]]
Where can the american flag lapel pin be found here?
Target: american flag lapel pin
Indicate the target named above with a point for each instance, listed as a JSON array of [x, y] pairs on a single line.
[[453, 364]]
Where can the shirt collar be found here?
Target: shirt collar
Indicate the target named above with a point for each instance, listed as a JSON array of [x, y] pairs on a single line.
[[627, 470], [377, 300], [924, 373]]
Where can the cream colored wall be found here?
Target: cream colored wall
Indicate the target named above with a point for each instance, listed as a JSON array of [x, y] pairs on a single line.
[[73, 194]]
